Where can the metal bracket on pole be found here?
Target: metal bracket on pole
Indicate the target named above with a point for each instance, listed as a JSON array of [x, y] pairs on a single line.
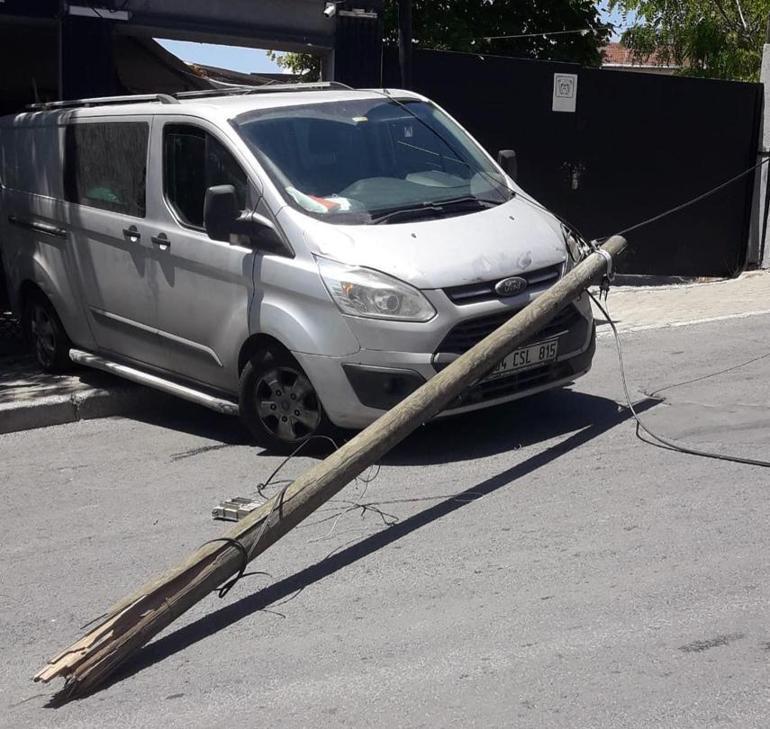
[[609, 274]]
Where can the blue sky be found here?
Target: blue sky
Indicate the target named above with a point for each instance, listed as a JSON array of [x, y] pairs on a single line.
[[234, 58], [254, 60], [614, 17]]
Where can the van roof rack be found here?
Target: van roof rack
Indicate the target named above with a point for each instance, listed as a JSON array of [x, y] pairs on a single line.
[[102, 101], [174, 99], [267, 88]]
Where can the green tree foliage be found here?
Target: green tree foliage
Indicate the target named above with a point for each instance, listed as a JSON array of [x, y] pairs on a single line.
[[713, 38], [305, 65], [470, 26]]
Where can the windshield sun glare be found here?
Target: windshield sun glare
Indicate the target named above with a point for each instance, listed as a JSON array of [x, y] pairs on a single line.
[[358, 161]]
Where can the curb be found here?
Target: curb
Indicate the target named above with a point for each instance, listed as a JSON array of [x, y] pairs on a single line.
[[84, 405]]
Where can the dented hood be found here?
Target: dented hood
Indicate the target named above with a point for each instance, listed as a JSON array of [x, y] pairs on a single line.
[[506, 240]]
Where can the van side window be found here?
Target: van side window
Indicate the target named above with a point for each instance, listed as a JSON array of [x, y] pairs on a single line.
[[105, 166], [193, 160]]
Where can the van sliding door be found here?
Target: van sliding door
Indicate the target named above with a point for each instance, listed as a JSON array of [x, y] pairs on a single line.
[[105, 173]]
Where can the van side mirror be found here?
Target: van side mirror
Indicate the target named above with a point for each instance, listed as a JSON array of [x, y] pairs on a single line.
[[220, 212], [506, 158], [222, 218]]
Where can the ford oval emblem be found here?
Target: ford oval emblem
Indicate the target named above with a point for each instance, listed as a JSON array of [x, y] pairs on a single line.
[[511, 286]]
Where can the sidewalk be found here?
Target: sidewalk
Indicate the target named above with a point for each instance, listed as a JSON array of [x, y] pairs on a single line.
[[32, 399], [636, 308]]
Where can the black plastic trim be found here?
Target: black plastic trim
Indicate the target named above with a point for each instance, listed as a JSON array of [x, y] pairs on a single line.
[[485, 290], [470, 332], [381, 387]]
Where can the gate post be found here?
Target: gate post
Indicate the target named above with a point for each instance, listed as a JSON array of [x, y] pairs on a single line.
[[358, 43], [86, 64], [759, 240]]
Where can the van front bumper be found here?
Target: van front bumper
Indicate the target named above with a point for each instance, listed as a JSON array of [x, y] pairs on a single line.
[[357, 389]]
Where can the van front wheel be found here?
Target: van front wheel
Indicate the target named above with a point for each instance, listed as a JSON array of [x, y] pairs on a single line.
[[45, 334], [278, 403]]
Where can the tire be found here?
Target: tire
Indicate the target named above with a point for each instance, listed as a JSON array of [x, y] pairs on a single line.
[[278, 403], [45, 334]]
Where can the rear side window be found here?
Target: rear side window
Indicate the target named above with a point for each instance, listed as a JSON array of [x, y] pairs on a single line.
[[105, 166], [31, 159], [193, 160]]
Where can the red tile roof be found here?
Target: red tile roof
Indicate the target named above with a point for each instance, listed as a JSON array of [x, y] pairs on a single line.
[[616, 54]]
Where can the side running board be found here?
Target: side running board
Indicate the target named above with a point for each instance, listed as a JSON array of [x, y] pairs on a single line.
[[143, 378]]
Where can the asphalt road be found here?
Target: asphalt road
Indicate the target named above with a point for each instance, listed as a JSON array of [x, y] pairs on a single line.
[[552, 570]]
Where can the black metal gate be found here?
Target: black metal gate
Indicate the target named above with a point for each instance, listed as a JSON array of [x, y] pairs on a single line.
[[637, 144]]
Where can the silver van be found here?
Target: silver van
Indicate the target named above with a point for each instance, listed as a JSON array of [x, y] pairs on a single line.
[[305, 256]]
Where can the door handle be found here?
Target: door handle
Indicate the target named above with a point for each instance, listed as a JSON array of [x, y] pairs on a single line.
[[132, 234], [161, 240]]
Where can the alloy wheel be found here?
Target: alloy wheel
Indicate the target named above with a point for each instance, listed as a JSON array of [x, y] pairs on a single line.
[[287, 404]]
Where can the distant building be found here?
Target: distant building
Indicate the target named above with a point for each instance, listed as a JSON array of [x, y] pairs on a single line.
[[225, 77], [617, 57]]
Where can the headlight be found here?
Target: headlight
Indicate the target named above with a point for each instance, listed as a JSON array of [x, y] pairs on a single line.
[[365, 292], [577, 248]]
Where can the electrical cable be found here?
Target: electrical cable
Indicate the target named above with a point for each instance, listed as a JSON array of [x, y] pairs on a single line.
[[578, 31], [687, 204], [657, 440], [224, 589], [291, 455], [245, 553], [652, 219]]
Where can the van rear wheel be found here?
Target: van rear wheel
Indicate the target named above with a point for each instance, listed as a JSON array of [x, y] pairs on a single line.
[[45, 334], [278, 403]]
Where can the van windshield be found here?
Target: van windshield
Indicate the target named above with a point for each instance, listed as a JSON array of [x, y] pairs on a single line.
[[372, 160]]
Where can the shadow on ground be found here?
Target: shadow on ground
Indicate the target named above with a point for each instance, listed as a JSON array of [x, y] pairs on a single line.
[[186, 417], [502, 428], [450, 439], [593, 416]]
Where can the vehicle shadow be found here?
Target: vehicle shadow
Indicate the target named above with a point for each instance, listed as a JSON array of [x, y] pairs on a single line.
[[186, 417], [502, 428], [594, 424], [456, 438]]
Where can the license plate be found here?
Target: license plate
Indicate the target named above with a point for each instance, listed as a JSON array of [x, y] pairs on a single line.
[[525, 357]]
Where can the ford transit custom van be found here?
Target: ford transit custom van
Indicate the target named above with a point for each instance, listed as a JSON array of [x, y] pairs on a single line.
[[303, 256]]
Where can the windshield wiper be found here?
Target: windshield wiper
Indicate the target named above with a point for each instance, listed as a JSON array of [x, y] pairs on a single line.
[[436, 209]]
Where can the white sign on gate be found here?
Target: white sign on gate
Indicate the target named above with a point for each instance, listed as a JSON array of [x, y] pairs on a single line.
[[565, 91]]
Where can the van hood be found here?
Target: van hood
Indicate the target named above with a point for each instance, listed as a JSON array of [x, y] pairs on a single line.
[[506, 240]]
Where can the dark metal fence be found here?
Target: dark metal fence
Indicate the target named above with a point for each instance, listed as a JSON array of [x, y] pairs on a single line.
[[635, 145]]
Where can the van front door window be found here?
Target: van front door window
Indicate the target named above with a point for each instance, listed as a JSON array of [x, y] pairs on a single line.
[[193, 161]]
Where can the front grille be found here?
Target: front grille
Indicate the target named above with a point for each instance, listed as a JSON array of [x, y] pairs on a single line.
[[485, 291], [468, 333], [514, 383]]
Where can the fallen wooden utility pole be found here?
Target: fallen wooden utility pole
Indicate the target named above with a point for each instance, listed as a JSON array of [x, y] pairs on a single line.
[[133, 621]]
